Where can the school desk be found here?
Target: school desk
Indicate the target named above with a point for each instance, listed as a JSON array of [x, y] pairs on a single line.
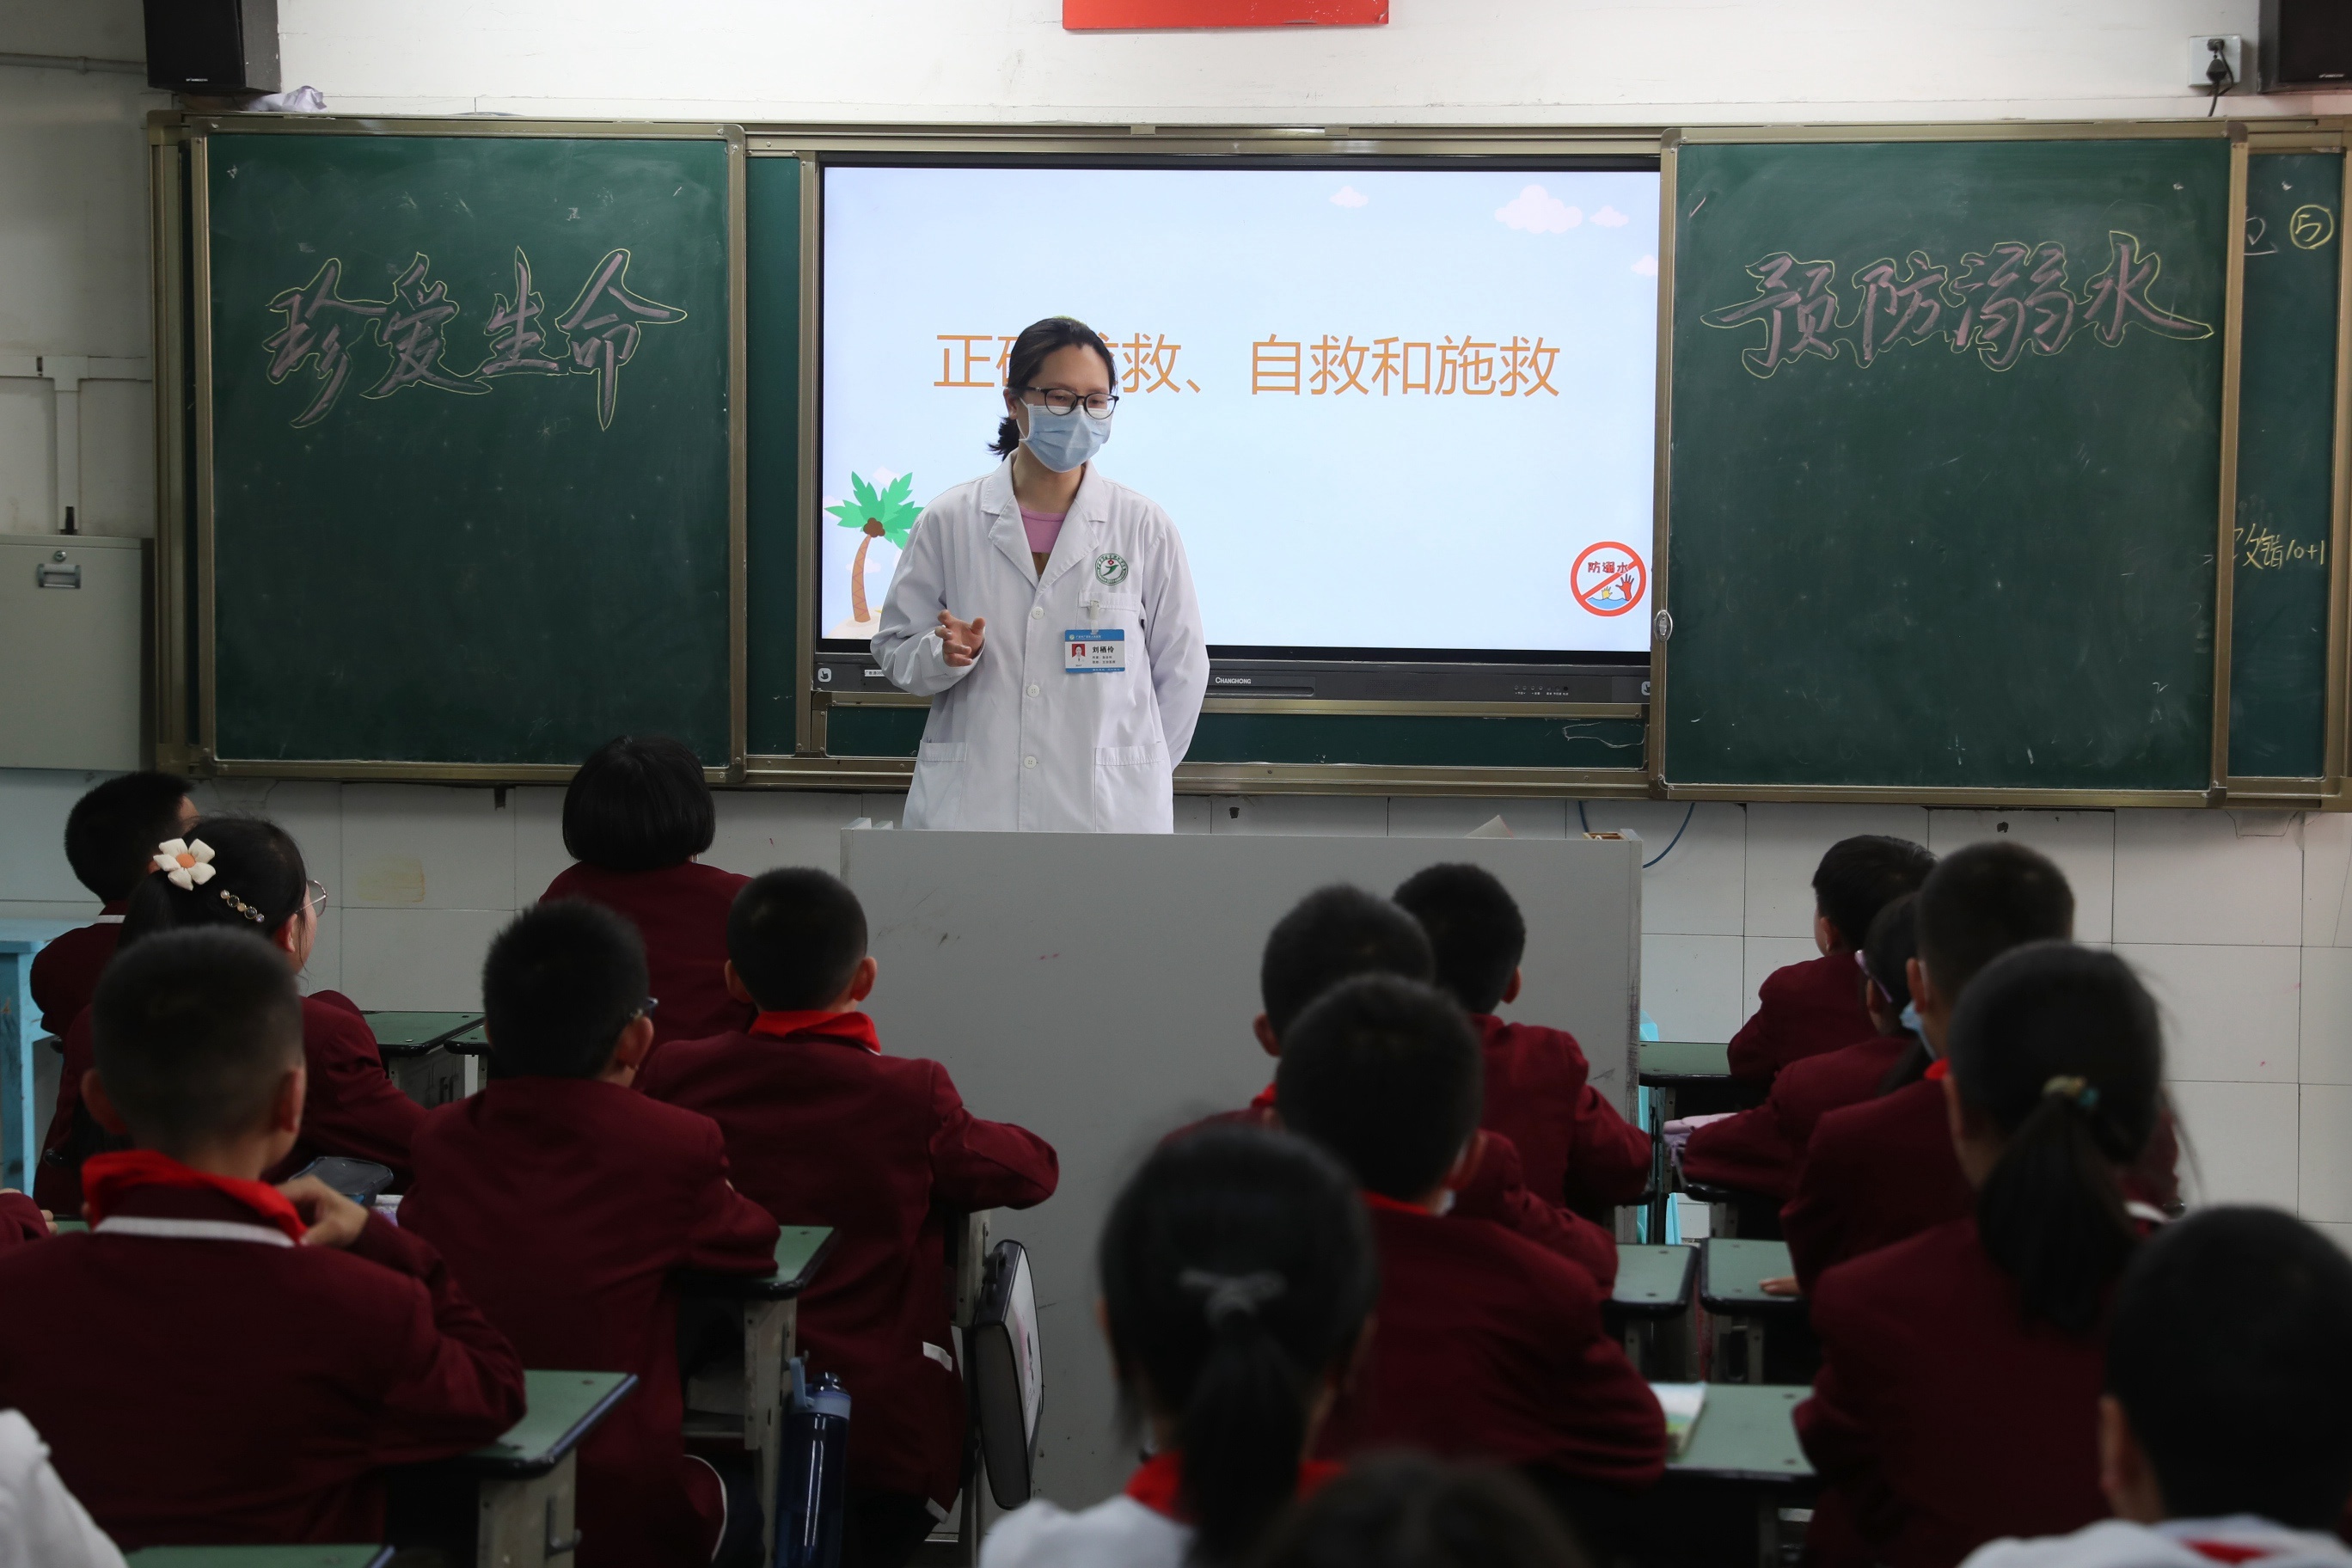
[[1742, 1467], [1731, 1275], [417, 1054], [19, 1027], [1650, 1308], [1684, 1078], [740, 1393], [526, 1484], [260, 1557]]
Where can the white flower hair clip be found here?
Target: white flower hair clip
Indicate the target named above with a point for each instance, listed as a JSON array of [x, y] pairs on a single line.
[[187, 863]]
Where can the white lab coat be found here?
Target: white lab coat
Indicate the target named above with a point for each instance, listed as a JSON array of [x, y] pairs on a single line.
[[1014, 743]]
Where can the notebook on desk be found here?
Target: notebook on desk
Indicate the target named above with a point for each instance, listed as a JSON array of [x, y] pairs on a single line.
[[1682, 1402]]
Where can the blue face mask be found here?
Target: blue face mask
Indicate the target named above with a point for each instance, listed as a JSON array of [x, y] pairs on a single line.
[[1909, 1018], [1065, 441]]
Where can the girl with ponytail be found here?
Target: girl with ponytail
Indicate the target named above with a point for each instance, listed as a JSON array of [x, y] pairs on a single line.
[[1958, 1400], [248, 874], [1237, 1283]]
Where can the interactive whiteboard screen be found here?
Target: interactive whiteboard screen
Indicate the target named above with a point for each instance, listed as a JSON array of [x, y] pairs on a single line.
[[1387, 409]]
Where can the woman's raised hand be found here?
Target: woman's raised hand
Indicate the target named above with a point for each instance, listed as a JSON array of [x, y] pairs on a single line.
[[962, 639]]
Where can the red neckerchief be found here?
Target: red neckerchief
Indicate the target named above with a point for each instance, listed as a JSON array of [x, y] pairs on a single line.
[[1374, 1200], [856, 1027], [2229, 1551], [1938, 1070], [1265, 1100], [107, 1178], [1160, 1477]]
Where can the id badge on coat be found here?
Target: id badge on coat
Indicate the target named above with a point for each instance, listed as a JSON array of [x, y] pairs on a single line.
[[1097, 650]]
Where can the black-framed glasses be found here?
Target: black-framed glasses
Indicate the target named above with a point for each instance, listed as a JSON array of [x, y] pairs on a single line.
[[1097, 404]]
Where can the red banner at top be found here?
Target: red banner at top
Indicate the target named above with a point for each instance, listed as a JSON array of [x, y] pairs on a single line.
[[1085, 16]]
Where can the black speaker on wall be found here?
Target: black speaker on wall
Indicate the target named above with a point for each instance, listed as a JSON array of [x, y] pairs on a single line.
[[2306, 43], [213, 46]]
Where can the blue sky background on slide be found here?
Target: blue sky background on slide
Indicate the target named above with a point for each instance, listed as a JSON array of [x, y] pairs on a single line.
[[1378, 516]]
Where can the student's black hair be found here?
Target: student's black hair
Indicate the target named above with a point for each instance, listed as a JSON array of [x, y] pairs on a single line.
[[1475, 929], [1980, 901], [1859, 875], [1238, 1272], [1893, 943], [638, 804], [2059, 1049], [258, 883], [2228, 1353], [1385, 1073], [1407, 1510], [192, 1032], [1030, 350], [1331, 933], [560, 985], [113, 832], [796, 936]]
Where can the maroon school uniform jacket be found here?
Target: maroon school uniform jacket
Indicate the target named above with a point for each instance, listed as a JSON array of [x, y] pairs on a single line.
[[1762, 1149], [681, 911], [1942, 1419], [1496, 1190], [1574, 1147], [1874, 1173], [1491, 1348], [1801, 1010], [20, 1221], [565, 1208], [350, 1107], [825, 1130], [222, 1386], [65, 972]]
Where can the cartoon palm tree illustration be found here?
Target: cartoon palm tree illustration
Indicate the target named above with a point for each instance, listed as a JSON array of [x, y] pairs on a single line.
[[878, 514]]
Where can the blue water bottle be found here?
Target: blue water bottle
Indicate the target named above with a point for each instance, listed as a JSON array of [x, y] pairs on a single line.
[[809, 1481]]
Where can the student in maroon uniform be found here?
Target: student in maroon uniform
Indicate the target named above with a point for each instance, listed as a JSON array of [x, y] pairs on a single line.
[[1806, 1008], [219, 1359], [1337, 931], [1489, 1347], [110, 834], [1959, 1396], [634, 818], [1762, 1149], [1882, 1170], [824, 1128], [1574, 1147], [247, 875], [1237, 1274], [566, 1203]]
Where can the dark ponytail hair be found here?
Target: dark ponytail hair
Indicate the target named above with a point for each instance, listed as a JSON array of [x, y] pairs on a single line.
[[1038, 340], [2059, 1048], [258, 882], [1237, 1271]]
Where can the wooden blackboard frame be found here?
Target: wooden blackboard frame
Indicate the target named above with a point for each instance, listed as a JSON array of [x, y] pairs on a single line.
[[2222, 790], [2327, 792], [188, 722]]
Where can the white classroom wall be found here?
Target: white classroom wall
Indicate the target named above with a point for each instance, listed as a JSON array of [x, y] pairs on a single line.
[[2239, 920]]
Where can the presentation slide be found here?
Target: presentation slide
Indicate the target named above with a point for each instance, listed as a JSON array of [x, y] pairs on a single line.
[[1386, 409]]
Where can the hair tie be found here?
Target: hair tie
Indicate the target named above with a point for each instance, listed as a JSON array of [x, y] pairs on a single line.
[[1230, 1294], [2081, 1091], [187, 864]]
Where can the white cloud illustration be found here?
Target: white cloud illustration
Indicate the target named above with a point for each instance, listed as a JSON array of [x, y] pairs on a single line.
[[1647, 266], [1609, 217], [1349, 196], [1537, 211]]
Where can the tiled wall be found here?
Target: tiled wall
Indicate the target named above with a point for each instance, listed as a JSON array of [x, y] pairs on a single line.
[[2240, 922]]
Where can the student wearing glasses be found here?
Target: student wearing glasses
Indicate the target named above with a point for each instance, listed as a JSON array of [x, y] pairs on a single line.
[[1049, 613]]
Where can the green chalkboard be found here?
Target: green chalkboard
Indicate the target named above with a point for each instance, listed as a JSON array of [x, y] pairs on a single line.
[[1945, 476], [472, 487], [773, 199], [2286, 433]]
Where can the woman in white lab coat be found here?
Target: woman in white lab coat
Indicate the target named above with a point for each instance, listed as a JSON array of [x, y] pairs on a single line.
[[1048, 613]]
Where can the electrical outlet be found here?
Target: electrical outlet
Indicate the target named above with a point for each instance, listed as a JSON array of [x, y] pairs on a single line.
[[2201, 61]]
